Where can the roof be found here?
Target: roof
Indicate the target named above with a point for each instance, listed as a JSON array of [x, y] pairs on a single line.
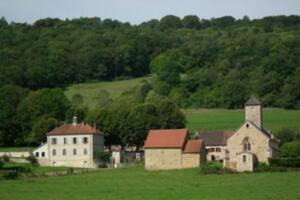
[[166, 138], [218, 138], [252, 101], [193, 146], [73, 129]]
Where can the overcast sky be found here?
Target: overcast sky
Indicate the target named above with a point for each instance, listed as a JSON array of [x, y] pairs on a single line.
[[137, 11]]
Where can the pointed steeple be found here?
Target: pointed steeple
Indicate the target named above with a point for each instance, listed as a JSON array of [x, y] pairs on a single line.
[[252, 101]]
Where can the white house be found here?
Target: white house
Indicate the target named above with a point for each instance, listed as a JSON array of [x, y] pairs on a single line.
[[71, 145]]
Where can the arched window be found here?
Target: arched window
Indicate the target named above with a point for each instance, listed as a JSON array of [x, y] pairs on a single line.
[[54, 152], [247, 144], [64, 152]]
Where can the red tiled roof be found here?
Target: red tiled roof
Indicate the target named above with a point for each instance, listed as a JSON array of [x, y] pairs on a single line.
[[166, 138], [215, 138], [193, 146], [70, 129]]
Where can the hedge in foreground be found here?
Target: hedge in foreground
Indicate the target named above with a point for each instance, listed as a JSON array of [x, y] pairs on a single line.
[[285, 162]]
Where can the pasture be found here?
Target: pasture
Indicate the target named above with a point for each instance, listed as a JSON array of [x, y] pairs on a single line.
[[135, 183], [90, 91], [230, 120]]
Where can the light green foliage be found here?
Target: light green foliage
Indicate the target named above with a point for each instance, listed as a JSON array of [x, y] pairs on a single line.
[[136, 183], [89, 91]]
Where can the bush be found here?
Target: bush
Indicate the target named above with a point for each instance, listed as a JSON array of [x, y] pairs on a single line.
[[263, 167], [32, 160], [102, 158], [291, 149], [1, 164], [285, 162], [215, 168], [5, 158]]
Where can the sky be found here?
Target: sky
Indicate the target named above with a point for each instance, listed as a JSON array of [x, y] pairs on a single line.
[[137, 11]]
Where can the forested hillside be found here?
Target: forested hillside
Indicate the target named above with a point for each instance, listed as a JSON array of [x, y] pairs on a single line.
[[195, 63], [199, 63]]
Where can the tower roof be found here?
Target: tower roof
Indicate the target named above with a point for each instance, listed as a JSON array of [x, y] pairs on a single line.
[[252, 101]]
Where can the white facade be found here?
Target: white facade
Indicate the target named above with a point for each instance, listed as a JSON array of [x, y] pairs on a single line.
[[70, 150]]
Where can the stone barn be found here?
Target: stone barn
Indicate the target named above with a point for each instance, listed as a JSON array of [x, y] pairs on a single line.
[[170, 149]]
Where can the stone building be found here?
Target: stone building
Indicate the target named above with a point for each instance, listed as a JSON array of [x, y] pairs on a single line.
[[251, 143], [215, 144], [71, 145], [170, 149]]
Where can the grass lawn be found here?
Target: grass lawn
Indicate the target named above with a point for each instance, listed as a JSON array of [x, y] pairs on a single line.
[[222, 119], [135, 183], [90, 91]]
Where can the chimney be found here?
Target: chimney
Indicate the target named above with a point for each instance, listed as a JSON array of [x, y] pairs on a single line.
[[74, 121]]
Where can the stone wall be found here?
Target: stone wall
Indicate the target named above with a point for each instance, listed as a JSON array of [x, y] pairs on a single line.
[[190, 160], [163, 159]]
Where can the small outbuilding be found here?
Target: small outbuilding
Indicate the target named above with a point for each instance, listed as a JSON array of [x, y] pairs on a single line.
[[170, 149]]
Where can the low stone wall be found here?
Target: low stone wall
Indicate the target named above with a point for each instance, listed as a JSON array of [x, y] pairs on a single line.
[[23, 154]]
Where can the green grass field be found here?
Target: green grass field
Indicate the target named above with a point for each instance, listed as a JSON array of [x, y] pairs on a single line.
[[89, 91], [136, 184], [222, 119]]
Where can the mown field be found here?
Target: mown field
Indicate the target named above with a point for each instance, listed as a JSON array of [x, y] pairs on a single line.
[[135, 183], [222, 119]]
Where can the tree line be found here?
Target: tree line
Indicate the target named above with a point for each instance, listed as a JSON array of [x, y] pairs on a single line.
[[27, 116], [198, 62]]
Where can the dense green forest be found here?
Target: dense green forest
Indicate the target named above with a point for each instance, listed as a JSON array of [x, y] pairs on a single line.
[[196, 63]]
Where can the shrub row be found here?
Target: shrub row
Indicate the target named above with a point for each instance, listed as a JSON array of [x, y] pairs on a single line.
[[285, 162]]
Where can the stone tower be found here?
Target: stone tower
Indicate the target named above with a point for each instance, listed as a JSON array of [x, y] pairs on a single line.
[[253, 111]]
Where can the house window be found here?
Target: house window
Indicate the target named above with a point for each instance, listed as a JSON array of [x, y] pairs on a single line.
[[85, 151], [64, 152], [36, 154], [247, 144], [211, 150], [247, 125], [244, 158], [213, 157], [43, 154], [54, 152], [65, 141], [74, 140], [218, 149], [74, 152], [85, 140], [53, 141]]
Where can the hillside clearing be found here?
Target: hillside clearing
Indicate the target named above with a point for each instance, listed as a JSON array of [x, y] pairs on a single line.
[[90, 91]]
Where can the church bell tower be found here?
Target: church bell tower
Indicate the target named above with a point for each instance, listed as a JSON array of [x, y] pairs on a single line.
[[253, 111]]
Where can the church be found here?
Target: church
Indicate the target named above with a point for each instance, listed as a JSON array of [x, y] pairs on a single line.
[[249, 145]]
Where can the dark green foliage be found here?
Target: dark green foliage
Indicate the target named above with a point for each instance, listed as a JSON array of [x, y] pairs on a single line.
[[217, 62], [1, 164], [102, 158], [214, 168], [285, 162], [40, 129], [291, 149], [5, 158], [33, 161], [288, 135], [263, 167]]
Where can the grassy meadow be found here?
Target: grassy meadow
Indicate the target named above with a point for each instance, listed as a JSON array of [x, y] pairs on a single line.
[[222, 119], [135, 183], [90, 91]]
